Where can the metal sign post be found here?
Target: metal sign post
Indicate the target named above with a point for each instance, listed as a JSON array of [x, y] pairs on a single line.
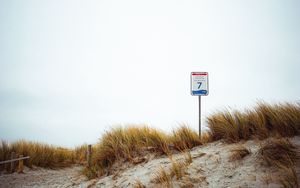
[[199, 116], [199, 87]]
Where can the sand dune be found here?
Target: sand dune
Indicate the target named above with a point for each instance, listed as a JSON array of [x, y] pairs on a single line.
[[211, 167]]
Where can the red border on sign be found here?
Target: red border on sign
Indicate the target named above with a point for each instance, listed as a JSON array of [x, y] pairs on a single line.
[[199, 74]]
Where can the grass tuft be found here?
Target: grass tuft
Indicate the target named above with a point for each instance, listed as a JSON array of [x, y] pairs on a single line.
[[138, 184], [239, 152], [188, 159], [185, 138], [281, 154], [177, 169], [288, 177], [163, 177], [80, 153], [129, 143], [264, 121], [206, 137], [278, 152]]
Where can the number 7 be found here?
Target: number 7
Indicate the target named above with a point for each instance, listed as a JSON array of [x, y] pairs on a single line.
[[200, 83]]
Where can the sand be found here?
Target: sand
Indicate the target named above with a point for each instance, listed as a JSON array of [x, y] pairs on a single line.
[[40, 177], [211, 167]]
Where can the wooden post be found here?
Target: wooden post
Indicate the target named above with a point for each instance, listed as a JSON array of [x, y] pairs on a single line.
[[12, 164], [89, 155], [21, 165]]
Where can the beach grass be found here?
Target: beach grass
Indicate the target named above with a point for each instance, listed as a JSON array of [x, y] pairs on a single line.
[[263, 121], [42, 155]]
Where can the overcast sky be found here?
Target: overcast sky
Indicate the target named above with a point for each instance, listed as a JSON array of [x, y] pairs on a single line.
[[69, 70]]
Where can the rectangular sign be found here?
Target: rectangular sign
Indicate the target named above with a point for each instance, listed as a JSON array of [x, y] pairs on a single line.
[[199, 83]]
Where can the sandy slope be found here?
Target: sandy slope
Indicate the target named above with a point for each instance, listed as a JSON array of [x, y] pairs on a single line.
[[39, 177], [211, 167]]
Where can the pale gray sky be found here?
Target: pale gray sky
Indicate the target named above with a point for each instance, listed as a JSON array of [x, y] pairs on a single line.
[[71, 69]]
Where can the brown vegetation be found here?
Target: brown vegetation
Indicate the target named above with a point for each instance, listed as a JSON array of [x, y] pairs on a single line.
[[178, 169], [279, 153], [188, 159], [129, 143], [185, 138], [264, 121], [80, 153], [42, 155], [132, 143], [163, 177], [239, 152], [206, 137], [139, 184]]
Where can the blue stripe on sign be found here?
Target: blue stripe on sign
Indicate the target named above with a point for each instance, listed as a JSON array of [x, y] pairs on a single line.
[[199, 92]]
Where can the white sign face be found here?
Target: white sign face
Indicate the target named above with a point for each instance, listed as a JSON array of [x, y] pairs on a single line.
[[199, 83]]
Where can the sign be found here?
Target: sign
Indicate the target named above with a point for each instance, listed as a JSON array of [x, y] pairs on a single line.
[[199, 83], [199, 87]]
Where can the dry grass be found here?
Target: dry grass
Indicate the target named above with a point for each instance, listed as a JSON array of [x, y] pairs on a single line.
[[80, 153], [91, 172], [188, 159], [177, 169], [233, 126], [185, 138], [239, 152], [206, 137], [281, 154], [127, 144], [278, 152], [5, 152], [138, 184], [163, 177], [132, 142], [186, 183], [264, 121], [42, 155], [288, 177], [222, 125]]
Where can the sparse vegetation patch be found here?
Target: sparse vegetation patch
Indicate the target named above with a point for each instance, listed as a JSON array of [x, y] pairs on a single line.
[[239, 152], [279, 153]]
